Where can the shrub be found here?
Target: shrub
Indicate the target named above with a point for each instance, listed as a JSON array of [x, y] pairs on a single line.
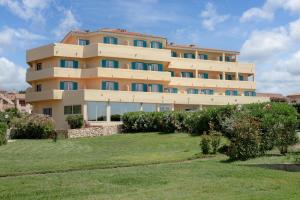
[[8, 115], [75, 121], [245, 138], [33, 126], [205, 144], [115, 118], [3, 139], [215, 141]]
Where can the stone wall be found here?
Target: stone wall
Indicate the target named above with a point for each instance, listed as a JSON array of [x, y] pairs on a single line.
[[100, 130]]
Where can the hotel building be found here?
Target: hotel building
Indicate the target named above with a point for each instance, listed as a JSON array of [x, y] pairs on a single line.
[[112, 71]]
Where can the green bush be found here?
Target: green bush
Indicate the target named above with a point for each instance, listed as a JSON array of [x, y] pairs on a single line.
[[8, 115], [115, 118], [33, 126], [215, 141], [205, 144], [3, 139], [75, 121]]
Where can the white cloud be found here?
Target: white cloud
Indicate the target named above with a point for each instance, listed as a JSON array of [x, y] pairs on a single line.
[[12, 76], [210, 17], [13, 37], [27, 9], [267, 11], [277, 55], [68, 23]]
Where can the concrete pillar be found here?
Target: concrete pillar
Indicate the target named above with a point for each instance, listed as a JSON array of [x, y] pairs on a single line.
[[173, 107], [200, 107], [141, 106], [108, 112], [196, 75], [157, 108], [223, 57], [180, 55], [196, 54], [84, 111], [236, 76], [224, 76]]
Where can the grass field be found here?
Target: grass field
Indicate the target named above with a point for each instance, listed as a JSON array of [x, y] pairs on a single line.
[[136, 166]]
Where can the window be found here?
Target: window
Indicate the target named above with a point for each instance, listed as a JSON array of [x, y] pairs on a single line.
[[110, 40], [192, 91], [68, 85], [171, 90], [249, 93], [173, 54], [172, 73], [139, 87], [140, 43], [187, 74], [156, 87], [110, 63], [203, 75], [38, 88], [72, 109], [22, 102], [203, 56], [83, 42], [138, 66], [231, 93], [39, 66], [96, 111], [189, 55], [207, 91], [157, 45], [221, 76], [228, 59], [165, 107], [229, 77], [155, 67], [47, 111], [110, 85], [69, 63], [241, 77]]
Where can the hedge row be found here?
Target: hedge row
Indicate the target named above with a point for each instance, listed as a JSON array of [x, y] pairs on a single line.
[[3, 128], [252, 129]]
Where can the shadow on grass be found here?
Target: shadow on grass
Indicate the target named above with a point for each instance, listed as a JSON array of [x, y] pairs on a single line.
[[283, 167]]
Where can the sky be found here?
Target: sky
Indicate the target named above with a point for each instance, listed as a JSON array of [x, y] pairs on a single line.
[[266, 32]]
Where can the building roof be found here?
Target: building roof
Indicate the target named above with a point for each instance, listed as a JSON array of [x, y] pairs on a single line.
[[194, 47], [293, 95], [276, 95]]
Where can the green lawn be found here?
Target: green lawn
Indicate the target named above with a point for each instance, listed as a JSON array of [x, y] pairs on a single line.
[[136, 166]]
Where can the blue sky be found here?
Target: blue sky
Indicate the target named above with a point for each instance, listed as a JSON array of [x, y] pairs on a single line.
[[267, 32]]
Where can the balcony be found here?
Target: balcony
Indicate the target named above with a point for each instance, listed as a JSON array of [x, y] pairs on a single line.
[[211, 65], [96, 72], [211, 83], [100, 49]]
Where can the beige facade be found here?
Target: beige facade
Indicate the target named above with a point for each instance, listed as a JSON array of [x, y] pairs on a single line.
[[294, 98], [108, 72], [14, 100]]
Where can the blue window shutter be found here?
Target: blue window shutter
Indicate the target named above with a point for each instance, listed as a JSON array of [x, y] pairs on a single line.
[[254, 94], [115, 40], [211, 92], [227, 92], [116, 86], [205, 57], [103, 85], [191, 74], [151, 44], [172, 74], [175, 90], [160, 88], [62, 63], [173, 54], [106, 40], [145, 87], [75, 86], [241, 78], [116, 64], [160, 45], [75, 64], [193, 56], [144, 66], [185, 55], [103, 63], [62, 85], [135, 42], [133, 65], [144, 44], [87, 42], [133, 87], [246, 93], [196, 91], [235, 93], [205, 75], [160, 67]]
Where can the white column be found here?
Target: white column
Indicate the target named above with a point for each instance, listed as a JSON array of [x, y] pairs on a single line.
[[85, 114], [196, 75], [157, 108], [108, 112], [200, 107], [223, 57], [141, 107], [224, 76], [173, 107], [236, 76]]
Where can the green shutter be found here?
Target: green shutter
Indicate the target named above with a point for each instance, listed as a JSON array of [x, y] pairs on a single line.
[[160, 88], [241, 78], [133, 87], [145, 87], [160, 45], [151, 44], [211, 92], [235, 93], [75, 86], [205, 57], [172, 74], [62, 85], [193, 56], [104, 63], [145, 66], [106, 40], [135, 42], [160, 67], [185, 55], [116, 86], [103, 85], [116, 64], [175, 90], [196, 91], [133, 65], [75, 64], [206, 75], [144, 44], [114, 40], [87, 42], [62, 63], [227, 92]]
